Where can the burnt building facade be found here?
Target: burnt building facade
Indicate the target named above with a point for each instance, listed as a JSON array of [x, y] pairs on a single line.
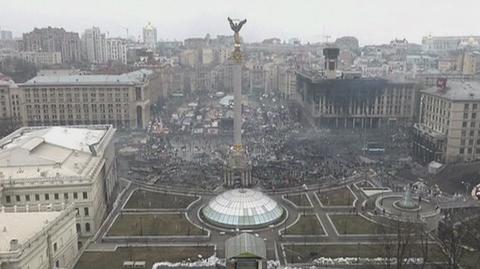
[[356, 103]]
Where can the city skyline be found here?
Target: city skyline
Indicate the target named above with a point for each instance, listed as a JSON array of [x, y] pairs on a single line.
[[372, 22]]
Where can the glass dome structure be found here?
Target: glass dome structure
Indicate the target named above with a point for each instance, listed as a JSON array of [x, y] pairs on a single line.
[[242, 208]]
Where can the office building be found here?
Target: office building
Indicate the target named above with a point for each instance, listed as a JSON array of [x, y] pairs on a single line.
[[448, 129], [121, 100], [116, 50]]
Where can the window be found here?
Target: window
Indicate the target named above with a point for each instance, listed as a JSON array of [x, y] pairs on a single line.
[[65, 196], [474, 115], [78, 211], [464, 124], [55, 196], [37, 197], [7, 198], [79, 228], [85, 196], [55, 246], [87, 227], [466, 107], [47, 196], [85, 211], [461, 151], [27, 197], [17, 198], [57, 264], [75, 195]]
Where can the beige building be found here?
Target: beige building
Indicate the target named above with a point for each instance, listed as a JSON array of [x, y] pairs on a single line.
[[120, 100], [42, 239], [58, 166], [449, 127]]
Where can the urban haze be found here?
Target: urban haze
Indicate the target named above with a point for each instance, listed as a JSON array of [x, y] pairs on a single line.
[[239, 134]]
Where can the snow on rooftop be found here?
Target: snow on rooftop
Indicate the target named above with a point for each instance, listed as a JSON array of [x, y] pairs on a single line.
[[22, 226], [457, 91], [49, 152], [127, 78]]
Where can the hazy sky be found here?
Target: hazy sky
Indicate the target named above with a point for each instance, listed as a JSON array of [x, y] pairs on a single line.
[[372, 21]]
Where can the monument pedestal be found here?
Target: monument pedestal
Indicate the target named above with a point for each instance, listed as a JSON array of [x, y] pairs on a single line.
[[238, 170]]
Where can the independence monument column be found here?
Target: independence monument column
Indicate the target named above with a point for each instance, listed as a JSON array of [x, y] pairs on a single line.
[[237, 169]]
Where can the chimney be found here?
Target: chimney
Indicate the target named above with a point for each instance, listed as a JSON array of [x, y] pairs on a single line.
[[14, 245], [441, 84]]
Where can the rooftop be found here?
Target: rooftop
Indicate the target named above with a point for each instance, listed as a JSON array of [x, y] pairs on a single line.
[[131, 78], [45, 152], [22, 226], [245, 245], [457, 90]]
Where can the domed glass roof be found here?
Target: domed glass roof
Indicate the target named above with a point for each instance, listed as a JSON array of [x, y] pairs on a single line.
[[242, 208]]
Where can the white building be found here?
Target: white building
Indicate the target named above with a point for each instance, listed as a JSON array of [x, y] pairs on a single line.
[[60, 165], [116, 50], [43, 240], [93, 45], [150, 36], [40, 58]]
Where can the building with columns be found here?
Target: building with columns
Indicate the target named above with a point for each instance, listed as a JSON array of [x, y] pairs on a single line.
[[58, 166], [121, 100], [356, 103]]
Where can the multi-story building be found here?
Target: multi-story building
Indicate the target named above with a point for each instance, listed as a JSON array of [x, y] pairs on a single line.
[[468, 62], [41, 239], [56, 166], [121, 100], [40, 58], [150, 36], [54, 40], [258, 79], [448, 129], [356, 103], [287, 82], [6, 35], [441, 44], [93, 46], [116, 50], [8, 98]]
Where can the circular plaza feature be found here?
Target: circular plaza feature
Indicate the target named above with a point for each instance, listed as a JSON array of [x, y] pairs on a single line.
[[242, 208]]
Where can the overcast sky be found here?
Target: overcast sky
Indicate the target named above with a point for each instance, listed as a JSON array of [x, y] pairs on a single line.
[[371, 21]]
